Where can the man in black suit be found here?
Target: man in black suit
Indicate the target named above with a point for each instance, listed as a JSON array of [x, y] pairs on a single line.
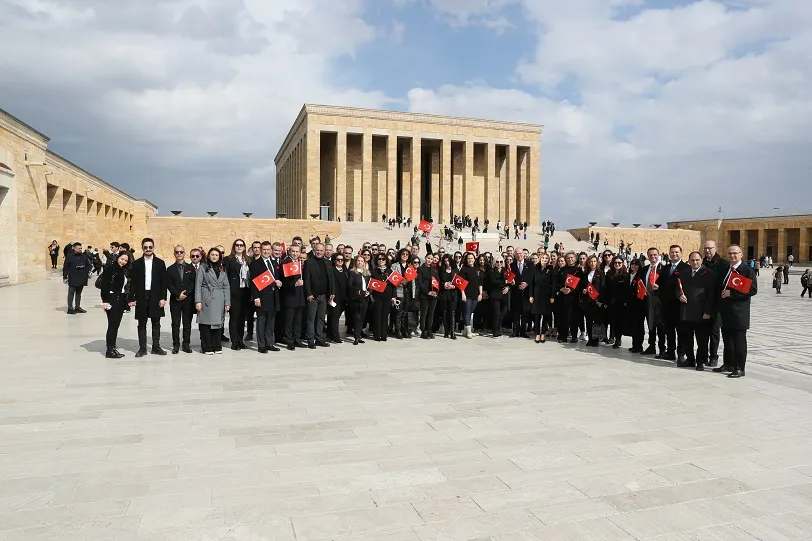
[[75, 273], [698, 297], [265, 302], [148, 296], [180, 280], [293, 300], [734, 307], [520, 294], [318, 288], [256, 253], [656, 329], [669, 302], [720, 267]]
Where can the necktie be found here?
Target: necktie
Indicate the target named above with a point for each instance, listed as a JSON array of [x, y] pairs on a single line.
[[180, 270], [673, 268]]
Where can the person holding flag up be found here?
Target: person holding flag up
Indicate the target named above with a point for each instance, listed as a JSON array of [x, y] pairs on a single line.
[[293, 298], [656, 329], [265, 286], [734, 306], [428, 286]]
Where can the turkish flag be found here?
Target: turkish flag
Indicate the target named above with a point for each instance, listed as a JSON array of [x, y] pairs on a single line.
[[284, 247], [592, 292], [396, 278], [472, 247], [641, 290], [425, 226], [572, 281], [377, 285], [679, 282], [739, 282], [435, 284], [410, 273], [509, 275], [263, 280], [652, 278], [292, 269], [459, 282]]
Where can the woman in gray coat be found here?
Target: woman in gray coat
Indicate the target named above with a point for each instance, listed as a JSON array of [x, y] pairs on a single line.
[[213, 295]]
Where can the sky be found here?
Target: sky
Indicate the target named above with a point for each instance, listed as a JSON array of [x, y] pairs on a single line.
[[654, 110]]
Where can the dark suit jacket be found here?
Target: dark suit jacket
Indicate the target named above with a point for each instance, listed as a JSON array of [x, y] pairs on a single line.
[[542, 289], [292, 296], [157, 290], [355, 290], [735, 310], [702, 294], [494, 283], [269, 297], [423, 281], [317, 277], [520, 299], [668, 284], [232, 267], [176, 284], [340, 279], [561, 282], [76, 269]]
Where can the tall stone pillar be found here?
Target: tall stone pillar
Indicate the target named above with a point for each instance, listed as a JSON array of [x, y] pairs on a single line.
[[803, 246], [406, 185], [340, 197], [445, 172], [436, 184], [510, 187], [312, 196], [762, 243], [781, 255], [469, 189], [391, 175], [417, 175], [534, 186], [522, 156], [743, 242], [366, 179]]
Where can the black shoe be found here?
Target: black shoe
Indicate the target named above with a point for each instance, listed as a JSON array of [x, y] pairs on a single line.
[[175, 350], [615, 346], [670, 356], [700, 367], [334, 341], [140, 353], [431, 336], [224, 339], [158, 351], [291, 347], [323, 344], [249, 337], [236, 347], [187, 349], [80, 310], [650, 351], [537, 341], [713, 361], [573, 340], [723, 368], [735, 374], [364, 335], [71, 311], [311, 346], [262, 350], [300, 344], [113, 354], [357, 341]]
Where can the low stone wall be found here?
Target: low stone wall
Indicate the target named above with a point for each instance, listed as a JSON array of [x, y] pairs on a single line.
[[643, 238], [190, 232]]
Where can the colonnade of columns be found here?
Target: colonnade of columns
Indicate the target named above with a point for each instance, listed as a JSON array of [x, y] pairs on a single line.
[[362, 176], [778, 243]]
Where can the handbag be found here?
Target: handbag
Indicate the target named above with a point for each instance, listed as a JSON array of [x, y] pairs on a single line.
[[98, 282], [775, 283]]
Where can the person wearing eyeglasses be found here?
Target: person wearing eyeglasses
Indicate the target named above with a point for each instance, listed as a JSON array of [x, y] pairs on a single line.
[[237, 269], [402, 295], [266, 301], [293, 300], [381, 301], [735, 309], [541, 299], [498, 291], [148, 296], [448, 298], [358, 295], [616, 295], [698, 296], [253, 255], [336, 304], [180, 281]]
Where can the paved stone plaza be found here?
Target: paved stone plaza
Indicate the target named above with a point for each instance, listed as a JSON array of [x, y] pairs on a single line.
[[404, 441]]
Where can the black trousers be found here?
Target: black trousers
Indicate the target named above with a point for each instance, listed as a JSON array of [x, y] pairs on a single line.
[[333, 316], [670, 324], [735, 353], [498, 310], [249, 319], [700, 330], [314, 319], [571, 316], [637, 324], [74, 292], [379, 321], [181, 312], [156, 332], [114, 315], [715, 337], [53, 261], [656, 334], [293, 325], [238, 312], [541, 323], [359, 316], [447, 309], [809, 289], [265, 328], [427, 306], [210, 339]]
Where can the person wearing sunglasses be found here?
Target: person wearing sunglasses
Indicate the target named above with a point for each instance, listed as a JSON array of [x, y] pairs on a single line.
[[336, 304], [617, 293], [180, 281], [381, 301], [148, 296]]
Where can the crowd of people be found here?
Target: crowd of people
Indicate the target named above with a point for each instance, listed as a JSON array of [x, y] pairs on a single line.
[[295, 297]]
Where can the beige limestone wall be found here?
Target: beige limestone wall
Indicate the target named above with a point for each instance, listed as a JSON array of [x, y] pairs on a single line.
[[169, 231], [642, 238]]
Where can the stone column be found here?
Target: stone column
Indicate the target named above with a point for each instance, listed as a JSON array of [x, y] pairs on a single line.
[[534, 186], [391, 175], [781, 255], [743, 242], [406, 186], [469, 189], [366, 179], [445, 172], [762, 243], [522, 185], [491, 185], [417, 167], [340, 197], [313, 168], [803, 245], [510, 187]]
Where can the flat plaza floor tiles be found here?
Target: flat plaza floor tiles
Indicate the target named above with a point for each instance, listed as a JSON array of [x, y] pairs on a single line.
[[411, 440]]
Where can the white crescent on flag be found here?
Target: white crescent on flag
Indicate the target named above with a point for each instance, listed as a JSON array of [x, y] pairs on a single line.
[[294, 268], [736, 281], [266, 278]]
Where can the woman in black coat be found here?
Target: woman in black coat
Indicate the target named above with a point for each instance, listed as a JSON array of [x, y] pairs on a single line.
[[557, 264], [236, 267], [402, 294], [616, 294], [115, 286], [636, 307], [336, 306], [593, 309], [541, 297], [382, 301], [496, 287], [358, 295], [428, 287], [448, 298]]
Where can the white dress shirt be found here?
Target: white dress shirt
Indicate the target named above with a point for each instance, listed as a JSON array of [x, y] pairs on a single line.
[[147, 273]]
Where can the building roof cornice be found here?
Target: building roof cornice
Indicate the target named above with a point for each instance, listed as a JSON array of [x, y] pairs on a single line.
[[21, 129]]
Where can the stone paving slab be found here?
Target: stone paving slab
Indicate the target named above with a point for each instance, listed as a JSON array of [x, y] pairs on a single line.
[[405, 441]]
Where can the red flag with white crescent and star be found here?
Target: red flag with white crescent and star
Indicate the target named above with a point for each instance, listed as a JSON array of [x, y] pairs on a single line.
[[263, 280], [641, 290], [291, 269], [410, 273], [425, 226], [738, 282], [472, 247], [435, 284], [396, 278], [592, 292], [571, 281], [459, 282], [377, 285]]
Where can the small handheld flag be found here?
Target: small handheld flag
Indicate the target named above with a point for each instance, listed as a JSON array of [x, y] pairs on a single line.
[[572, 281], [263, 280], [738, 282], [425, 226], [592, 292], [472, 247], [377, 285], [291, 269], [396, 278], [459, 282]]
